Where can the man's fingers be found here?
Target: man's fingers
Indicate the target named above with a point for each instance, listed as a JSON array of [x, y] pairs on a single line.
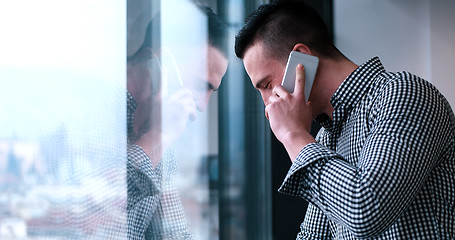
[[191, 109], [299, 80], [273, 98], [279, 91]]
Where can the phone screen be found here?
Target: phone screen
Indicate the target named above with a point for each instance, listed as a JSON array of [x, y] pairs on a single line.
[[310, 64]]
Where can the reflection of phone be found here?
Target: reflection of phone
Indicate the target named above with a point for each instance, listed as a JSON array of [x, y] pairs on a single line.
[[171, 81], [310, 64], [165, 74], [154, 66]]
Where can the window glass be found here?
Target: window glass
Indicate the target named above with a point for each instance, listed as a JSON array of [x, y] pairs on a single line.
[[62, 124]]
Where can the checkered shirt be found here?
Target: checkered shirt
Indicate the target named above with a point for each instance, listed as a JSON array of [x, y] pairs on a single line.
[[384, 167], [154, 208]]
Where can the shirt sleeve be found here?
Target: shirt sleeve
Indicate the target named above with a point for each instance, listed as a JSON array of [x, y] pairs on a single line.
[[315, 226], [144, 192], [393, 163]]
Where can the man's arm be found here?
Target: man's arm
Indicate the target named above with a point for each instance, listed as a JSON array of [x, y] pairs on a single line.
[[315, 225], [393, 163]]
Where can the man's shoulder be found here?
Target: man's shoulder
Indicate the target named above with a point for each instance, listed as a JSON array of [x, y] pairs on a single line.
[[398, 91], [395, 84], [400, 78]]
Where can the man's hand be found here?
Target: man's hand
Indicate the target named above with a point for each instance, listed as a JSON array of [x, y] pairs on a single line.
[[167, 121], [179, 107], [290, 116]]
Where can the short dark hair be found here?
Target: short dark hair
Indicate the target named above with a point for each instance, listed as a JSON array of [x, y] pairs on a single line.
[[282, 24], [217, 31], [216, 28]]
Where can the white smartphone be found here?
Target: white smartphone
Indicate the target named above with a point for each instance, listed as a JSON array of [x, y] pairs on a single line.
[[310, 64]]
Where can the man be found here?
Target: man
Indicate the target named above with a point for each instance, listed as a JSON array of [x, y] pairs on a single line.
[[383, 165], [160, 103]]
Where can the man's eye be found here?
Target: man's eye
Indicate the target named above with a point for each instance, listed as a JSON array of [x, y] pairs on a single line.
[[267, 85]]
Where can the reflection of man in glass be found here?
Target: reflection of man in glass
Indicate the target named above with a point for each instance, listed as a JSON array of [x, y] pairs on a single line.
[[163, 93]]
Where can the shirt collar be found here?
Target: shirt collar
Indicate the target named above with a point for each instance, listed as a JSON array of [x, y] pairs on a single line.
[[130, 102], [324, 120], [131, 108], [357, 84], [351, 90]]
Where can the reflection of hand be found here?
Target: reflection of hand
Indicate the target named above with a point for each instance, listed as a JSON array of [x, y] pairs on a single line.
[[177, 109], [167, 121], [290, 116]]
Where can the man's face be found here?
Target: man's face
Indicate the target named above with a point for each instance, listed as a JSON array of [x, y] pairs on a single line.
[[200, 76], [202, 81], [265, 72]]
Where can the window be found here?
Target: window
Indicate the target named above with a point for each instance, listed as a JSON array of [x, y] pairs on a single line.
[[63, 127]]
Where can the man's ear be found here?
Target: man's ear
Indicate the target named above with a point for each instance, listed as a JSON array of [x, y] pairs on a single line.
[[300, 47]]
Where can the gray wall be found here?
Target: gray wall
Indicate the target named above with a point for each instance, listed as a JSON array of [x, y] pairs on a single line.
[[411, 35]]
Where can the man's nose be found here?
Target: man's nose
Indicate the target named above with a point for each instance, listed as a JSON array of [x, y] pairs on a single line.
[[265, 97]]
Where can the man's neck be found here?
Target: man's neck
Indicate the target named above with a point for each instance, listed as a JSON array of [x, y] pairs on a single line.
[[329, 77]]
